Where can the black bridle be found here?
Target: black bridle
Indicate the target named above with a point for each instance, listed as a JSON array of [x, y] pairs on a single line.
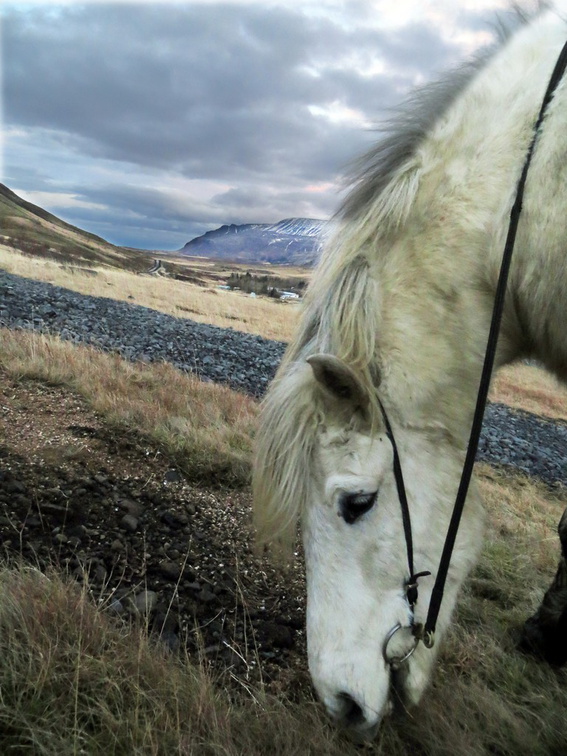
[[426, 632]]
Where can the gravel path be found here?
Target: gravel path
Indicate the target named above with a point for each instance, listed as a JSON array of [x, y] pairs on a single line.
[[245, 362]]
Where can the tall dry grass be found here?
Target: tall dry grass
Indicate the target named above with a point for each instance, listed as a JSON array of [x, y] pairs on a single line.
[[74, 682], [530, 388], [227, 309], [205, 427]]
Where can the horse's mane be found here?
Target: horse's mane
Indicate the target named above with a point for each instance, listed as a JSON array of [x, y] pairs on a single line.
[[383, 181], [342, 307]]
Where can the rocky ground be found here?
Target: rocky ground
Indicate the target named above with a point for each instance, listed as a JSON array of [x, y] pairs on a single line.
[[243, 361], [108, 508]]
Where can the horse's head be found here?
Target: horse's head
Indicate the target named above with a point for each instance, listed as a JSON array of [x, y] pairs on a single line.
[[323, 454]]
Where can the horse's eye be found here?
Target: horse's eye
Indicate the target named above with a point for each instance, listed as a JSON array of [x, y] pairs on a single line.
[[352, 506]]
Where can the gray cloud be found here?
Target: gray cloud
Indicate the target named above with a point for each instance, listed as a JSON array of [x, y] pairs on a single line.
[[207, 91]]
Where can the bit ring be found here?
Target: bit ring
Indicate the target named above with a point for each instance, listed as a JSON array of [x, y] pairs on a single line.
[[396, 661]]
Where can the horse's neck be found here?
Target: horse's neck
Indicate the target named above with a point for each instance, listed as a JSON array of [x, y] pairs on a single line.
[[440, 275], [434, 330]]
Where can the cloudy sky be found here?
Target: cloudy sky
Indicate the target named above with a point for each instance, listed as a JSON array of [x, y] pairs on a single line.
[[150, 123]]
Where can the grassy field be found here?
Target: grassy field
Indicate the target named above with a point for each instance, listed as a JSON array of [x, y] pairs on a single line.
[[530, 388], [74, 682], [206, 303], [205, 427]]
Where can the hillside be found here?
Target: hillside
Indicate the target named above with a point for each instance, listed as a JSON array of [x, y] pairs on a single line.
[[293, 241], [32, 230]]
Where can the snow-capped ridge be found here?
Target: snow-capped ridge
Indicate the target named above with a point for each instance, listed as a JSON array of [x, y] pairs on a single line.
[[292, 241]]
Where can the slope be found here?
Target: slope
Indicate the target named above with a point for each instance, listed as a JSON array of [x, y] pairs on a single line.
[[35, 231]]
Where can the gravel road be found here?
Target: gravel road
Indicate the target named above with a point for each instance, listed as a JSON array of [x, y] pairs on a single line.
[[245, 362]]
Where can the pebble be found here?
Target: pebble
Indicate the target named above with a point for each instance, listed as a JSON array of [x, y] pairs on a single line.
[[279, 636], [170, 570], [133, 508], [144, 602], [174, 519], [14, 486], [116, 606], [173, 476], [129, 523], [170, 641], [206, 596]]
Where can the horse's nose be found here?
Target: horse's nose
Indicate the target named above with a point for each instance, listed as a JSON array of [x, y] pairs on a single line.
[[360, 723], [349, 712]]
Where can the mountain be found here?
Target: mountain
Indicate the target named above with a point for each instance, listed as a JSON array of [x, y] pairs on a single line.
[[32, 230], [293, 241]]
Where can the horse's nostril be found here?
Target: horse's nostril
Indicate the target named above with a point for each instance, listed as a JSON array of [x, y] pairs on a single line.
[[352, 713]]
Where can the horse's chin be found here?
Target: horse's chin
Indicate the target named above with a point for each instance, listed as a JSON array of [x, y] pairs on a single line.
[[408, 682], [362, 735]]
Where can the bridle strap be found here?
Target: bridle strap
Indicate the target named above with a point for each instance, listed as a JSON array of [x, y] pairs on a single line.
[[411, 583], [428, 631]]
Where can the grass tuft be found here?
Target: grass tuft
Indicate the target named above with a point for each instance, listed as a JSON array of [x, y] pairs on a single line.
[[71, 681]]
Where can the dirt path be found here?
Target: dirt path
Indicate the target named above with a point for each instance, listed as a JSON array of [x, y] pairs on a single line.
[[106, 506]]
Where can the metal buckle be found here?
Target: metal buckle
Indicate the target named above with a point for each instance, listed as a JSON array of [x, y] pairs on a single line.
[[428, 639], [396, 661]]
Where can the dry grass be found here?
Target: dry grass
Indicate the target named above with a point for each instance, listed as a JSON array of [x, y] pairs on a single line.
[[205, 427], [71, 681], [266, 317], [530, 388]]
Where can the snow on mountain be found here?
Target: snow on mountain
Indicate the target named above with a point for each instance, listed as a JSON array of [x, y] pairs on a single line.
[[293, 241]]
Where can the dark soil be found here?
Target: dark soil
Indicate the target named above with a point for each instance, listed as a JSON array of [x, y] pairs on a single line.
[[107, 507]]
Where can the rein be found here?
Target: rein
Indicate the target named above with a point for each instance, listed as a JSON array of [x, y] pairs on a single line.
[[426, 633]]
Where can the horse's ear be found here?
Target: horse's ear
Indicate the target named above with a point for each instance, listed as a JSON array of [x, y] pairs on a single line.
[[338, 380]]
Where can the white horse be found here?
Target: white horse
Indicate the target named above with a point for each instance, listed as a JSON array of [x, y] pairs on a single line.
[[399, 311]]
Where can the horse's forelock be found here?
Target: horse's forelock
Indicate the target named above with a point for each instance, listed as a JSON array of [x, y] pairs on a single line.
[[284, 468], [283, 474]]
